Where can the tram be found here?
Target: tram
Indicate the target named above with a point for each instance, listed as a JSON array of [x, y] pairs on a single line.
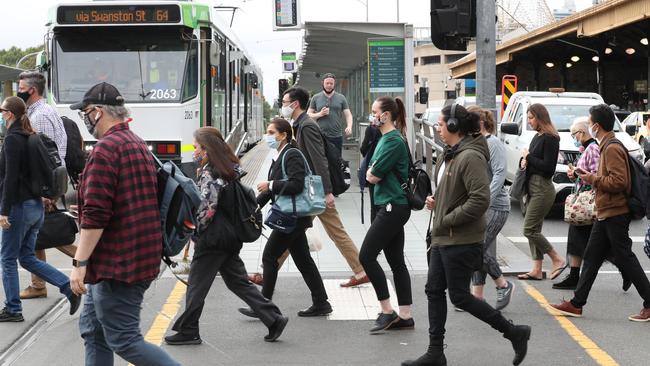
[[177, 64]]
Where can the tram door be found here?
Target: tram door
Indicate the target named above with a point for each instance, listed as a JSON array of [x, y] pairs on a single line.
[[206, 77]]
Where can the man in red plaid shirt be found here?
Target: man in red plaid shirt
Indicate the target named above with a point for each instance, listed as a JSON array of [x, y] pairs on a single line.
[[121, 238]]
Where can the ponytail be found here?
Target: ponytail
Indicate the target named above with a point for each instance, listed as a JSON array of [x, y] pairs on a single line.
[[397, 111], [401, 116]]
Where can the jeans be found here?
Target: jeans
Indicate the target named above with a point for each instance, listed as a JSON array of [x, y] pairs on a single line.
[[110, 323], [296, 243], [387, 233], [337, 141], [18, 243], [611, 234], [204, 268], [451, 268]]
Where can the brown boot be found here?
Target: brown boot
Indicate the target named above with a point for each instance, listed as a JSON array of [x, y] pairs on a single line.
[[33, 293]]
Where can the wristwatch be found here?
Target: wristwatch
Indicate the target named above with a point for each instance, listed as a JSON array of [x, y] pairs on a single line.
[[76, 263]]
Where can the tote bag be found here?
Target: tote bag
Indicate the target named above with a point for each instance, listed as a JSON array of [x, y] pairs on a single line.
[[309, 202], [580, 208], [519, 185]]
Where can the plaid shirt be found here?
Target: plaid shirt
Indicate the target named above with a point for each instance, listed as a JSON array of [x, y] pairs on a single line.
[[44, 119], [118, 192]]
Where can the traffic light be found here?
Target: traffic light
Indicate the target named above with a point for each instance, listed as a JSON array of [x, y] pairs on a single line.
[[452, 23], [424, 95], [283, 85]]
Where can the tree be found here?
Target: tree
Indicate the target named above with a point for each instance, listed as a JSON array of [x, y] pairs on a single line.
[[10, 56], [268, 111]]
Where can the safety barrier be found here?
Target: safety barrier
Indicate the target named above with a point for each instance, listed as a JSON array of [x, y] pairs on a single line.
[[426, 148]]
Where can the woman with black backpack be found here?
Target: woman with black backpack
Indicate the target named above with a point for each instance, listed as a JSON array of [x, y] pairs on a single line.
[[217, 243]]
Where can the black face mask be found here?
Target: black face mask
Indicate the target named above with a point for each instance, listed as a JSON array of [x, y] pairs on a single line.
[[23, 95]]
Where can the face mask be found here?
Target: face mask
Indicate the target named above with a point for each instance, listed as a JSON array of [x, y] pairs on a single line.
[[198, 158], [3, 126], [377, 122], [23, 95], [271, 141], [576, 142], [592, 132], [287, 111], [90, 126]]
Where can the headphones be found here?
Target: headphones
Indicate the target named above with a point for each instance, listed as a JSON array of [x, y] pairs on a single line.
[[452, 123]]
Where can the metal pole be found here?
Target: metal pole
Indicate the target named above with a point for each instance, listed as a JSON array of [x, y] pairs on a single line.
[[398, 11], [486, 55], [367, 10]]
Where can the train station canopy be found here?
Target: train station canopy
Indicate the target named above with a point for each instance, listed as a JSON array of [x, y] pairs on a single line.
[[9, 73], [339, 48]]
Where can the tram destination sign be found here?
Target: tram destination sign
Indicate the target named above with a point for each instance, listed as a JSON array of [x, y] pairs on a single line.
[[129, 14], [386, 65]]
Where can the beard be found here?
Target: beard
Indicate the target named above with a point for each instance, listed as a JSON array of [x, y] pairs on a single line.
[[328, 91]]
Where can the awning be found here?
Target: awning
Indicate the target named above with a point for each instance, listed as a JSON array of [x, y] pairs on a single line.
[[9, 73], [339, 48], [587, 23]]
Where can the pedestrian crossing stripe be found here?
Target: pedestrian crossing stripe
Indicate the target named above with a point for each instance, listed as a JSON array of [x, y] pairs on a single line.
[[597, 354], [561, 239]]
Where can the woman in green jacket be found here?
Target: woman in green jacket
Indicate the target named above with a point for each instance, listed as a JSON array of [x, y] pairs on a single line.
[[462, 197]]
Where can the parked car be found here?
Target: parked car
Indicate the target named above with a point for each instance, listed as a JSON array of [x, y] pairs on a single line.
[[636, 125], [563, 109]]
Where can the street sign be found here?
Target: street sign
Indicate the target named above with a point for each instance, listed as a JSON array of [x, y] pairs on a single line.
[[286, 15], [386, 65], [288, 62], [508, 88]]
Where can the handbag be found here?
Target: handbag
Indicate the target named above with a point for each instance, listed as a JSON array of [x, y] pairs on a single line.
[[309, 202], [314, 239], [580, 208], [59, 229], [280, 221], [519, 186]]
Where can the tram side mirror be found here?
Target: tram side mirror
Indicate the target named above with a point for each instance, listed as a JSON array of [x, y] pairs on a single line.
[[215, 54], [630, 129]]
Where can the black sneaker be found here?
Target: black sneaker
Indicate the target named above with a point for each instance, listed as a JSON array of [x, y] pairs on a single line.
[[276, 329], [402, 324], [180, 339], [384, 321], [316, 310], [568, 283], [519, 336], [7, 316]]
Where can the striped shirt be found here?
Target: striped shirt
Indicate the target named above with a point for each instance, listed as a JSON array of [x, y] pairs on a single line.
[[44, 119], [118, 192]]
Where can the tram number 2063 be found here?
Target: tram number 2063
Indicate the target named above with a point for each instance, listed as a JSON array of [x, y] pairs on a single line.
[[163, 94]]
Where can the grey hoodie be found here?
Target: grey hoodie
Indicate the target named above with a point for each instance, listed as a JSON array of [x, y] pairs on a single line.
[[463, 194]]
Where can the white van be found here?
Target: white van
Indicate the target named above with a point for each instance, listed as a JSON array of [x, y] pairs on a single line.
[[563, 108]]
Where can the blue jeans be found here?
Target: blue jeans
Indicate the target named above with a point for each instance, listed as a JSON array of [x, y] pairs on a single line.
[[110, 323], [18, 243]]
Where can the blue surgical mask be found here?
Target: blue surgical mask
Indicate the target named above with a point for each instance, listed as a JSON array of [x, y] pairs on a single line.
[[576, 142], [271, 141]]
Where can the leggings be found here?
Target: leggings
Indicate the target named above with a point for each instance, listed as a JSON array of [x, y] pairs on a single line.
[[387, 233], [495, 222]]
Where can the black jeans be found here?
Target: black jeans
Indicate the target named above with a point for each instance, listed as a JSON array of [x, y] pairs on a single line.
[[387, 233], [610, 236], [204, 268], [451, 268], [296, 243], [338, 142]]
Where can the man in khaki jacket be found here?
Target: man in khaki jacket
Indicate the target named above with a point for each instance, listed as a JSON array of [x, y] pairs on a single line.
[[611, 231]]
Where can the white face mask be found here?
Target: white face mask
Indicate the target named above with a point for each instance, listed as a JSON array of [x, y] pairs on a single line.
[[592, 132], [287, 111]]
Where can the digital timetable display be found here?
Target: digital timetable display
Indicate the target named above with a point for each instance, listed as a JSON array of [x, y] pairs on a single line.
[[129, 14]]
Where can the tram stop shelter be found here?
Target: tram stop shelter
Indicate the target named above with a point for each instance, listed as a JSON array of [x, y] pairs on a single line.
[[601, 49], [344, 48], [8, 75]]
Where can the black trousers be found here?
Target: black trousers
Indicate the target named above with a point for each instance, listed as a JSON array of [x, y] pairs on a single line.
[[451, 268], [610, 236], [577, 239], [296, 243], [387, 233], [203, 269]]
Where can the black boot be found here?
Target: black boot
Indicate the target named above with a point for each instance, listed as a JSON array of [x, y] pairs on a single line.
[[519, 336], [434, 356]]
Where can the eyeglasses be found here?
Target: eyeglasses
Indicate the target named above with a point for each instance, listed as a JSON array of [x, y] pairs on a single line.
[[575, 133]]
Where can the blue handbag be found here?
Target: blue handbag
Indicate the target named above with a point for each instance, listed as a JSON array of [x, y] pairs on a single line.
[[309, 202]]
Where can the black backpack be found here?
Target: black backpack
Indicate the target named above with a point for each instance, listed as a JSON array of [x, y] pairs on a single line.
[[49, 177], [417, 185], [243, 211], [75, 155], [637, 200], [339, 169]]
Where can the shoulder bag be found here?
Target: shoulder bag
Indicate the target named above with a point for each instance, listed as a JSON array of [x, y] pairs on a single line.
[[309, 202]]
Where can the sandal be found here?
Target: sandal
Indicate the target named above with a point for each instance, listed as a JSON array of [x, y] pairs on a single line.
[[558, 271], [528, 277]]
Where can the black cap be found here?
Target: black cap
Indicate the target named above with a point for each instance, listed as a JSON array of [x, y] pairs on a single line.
[[328, 75], [102, 93]]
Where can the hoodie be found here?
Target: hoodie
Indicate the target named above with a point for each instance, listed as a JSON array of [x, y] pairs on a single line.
[[463, 194]]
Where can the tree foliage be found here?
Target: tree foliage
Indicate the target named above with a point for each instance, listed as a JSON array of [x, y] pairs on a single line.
[[10, 56]]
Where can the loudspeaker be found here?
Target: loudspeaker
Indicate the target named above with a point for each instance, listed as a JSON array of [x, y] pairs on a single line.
[[452, 123]]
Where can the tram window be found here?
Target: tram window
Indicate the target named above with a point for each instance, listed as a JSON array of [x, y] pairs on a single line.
[[157, 66]]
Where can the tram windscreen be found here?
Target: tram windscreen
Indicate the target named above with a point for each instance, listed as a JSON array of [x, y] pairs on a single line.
[[146, 64]]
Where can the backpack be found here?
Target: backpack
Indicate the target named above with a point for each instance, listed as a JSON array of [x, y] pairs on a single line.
[[417, 185], [75, 155], [245, 214], [49, 177], [339, 169], [637, 200], [178, 199]]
